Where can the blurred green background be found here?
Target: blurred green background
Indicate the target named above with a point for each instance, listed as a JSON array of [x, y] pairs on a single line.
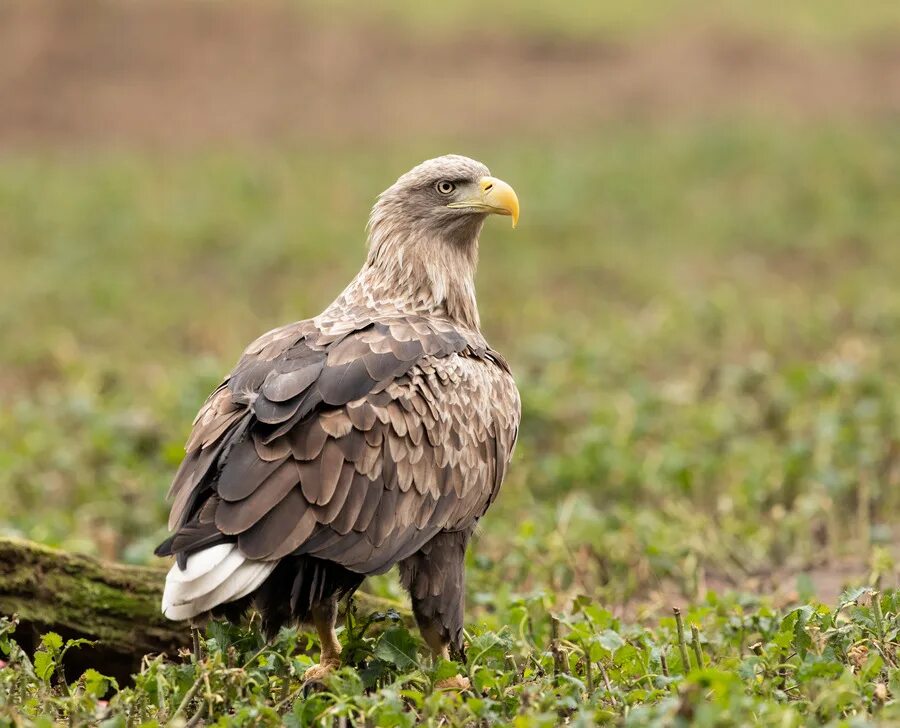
[[701, 303]]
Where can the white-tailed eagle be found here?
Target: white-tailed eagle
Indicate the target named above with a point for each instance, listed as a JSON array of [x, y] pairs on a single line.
[[377, 433]]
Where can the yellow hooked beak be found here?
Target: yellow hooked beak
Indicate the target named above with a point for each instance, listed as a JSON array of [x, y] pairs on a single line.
[[494, 197]]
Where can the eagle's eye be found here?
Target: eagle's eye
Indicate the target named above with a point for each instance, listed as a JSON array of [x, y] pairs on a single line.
[[445, 187]]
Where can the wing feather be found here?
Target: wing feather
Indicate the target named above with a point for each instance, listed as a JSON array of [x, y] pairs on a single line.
[[234, 517], [355, 445]]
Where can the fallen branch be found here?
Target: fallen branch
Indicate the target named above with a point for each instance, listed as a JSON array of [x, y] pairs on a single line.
[[78, 596], [115, 604]]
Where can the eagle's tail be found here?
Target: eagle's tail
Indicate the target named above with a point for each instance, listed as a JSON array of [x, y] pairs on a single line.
[[211, 577]]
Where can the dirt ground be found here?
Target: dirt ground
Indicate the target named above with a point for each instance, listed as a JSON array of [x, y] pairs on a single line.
[[179, 74]]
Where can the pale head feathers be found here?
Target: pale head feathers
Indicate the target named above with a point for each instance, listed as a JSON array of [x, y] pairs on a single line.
[[422, 253]]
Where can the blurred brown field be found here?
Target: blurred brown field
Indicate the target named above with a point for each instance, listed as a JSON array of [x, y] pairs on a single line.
[[181, 74]]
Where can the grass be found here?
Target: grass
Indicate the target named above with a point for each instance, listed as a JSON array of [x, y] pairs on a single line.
[[744, 663], [704, 323], [818, 22]]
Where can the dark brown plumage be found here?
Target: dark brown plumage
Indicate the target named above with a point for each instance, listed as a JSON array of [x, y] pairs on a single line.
[[374, 434]]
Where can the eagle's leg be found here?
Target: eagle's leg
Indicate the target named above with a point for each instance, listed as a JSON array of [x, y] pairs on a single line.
[[435, 579], [324, 616]]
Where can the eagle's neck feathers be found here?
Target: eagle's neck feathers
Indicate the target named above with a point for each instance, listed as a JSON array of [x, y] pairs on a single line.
[[420, 269]]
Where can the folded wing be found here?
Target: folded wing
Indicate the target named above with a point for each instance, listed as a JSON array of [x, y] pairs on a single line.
[[356, 446]]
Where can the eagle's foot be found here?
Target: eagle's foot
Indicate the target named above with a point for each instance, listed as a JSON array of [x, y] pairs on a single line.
[[323, 617], [457, 682], [319, 672]]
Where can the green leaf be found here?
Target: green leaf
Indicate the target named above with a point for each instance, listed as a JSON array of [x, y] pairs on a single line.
[[44, 665], [79, 642], [52, 642], [599, 617], [397, 647], [851, 596], [97, 684], [445, 669], [610, 640], [372, 673], [801, 639], [487, 644]]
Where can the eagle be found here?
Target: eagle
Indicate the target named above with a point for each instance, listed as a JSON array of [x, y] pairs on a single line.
[[377, 433]]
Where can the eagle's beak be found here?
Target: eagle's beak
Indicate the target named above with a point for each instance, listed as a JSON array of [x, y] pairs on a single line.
[[495, 197]]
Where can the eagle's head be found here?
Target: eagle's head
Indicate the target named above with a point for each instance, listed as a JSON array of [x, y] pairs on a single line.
[[444, 198], [423, 233]]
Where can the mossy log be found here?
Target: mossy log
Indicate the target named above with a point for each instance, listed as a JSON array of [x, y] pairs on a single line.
[[79, 596]]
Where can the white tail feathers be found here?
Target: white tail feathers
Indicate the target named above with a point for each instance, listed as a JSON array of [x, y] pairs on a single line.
[[211, 577]]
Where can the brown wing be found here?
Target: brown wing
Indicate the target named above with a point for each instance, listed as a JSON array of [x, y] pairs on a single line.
[[355, 447]]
